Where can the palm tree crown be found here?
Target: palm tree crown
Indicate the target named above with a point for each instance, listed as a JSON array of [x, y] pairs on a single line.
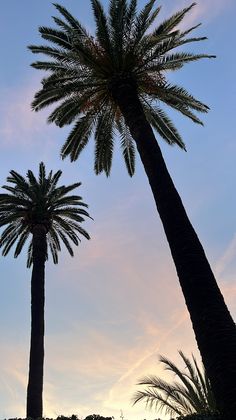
[[31, 202], [86, 72], [191, 394]]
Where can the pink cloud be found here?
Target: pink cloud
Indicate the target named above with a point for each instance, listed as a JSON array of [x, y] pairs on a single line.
[[19, 125], [13, 382], [90, 360]]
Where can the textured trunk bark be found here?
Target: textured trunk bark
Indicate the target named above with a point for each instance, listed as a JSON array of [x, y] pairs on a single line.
[[35, 380], [213, 325]]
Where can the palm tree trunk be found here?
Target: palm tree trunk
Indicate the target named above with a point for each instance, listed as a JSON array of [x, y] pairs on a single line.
[[213, 325], [35, 380]]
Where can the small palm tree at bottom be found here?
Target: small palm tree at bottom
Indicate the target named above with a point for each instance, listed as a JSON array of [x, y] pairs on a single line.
[[39, 209], [193, 394]]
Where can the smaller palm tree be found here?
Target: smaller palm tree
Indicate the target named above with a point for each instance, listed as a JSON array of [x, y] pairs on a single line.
[[40, 210], [192, 394]]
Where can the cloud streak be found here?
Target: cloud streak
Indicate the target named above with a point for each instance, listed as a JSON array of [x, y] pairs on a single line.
[[19, 125], [228, 256], [202, 10]]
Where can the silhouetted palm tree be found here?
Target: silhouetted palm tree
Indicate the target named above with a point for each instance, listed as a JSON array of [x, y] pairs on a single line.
[[191, 394], [115, 82], [40, 210]]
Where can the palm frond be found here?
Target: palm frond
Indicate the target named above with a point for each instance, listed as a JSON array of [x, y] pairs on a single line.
[[128, 148], [53, 248], [163, 125], [78, 137], [9, 217], [131, 11], [32, 179], [178, 98], [56, 53], [171, 23], [102, 29], [17, 179], [176, 61], [143, 20], [194, 377], [118, 30], [154, 400], [185, 396], [67, 243], [10, 242], [73, 23], [69, 110], [30, 255], [21, 242], [104, 142], [63, 191], [55, 36], [11, 230], [48, 66], [63, 25]]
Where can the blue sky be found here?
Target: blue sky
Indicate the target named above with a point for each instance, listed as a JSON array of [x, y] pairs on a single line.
[[117, 304]]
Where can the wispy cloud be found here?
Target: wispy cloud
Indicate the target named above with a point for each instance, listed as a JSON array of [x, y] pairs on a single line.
[[203, 10], [13, 380], [145, 363], [89, 359], [19, 125], [225, 273], [227, 257]]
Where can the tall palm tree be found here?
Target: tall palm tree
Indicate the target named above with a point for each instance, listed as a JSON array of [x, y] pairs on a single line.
[[115, 82], [40, 210], [191, 393]]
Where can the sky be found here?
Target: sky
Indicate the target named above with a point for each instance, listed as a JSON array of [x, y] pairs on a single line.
[[117, 305]]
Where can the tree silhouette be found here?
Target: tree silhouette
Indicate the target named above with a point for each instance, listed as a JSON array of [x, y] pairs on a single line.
[[40, 210], [115, 82]]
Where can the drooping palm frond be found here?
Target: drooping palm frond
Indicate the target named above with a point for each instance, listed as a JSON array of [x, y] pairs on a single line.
[[127, 145], [40, 201], [190, 393], [85, 71], [162, 124], [169, 24]]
